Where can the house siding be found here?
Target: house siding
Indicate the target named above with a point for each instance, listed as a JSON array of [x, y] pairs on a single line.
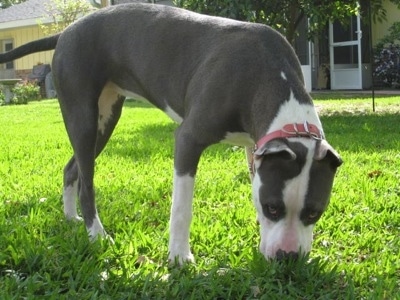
[[22, 36], [379, 30]]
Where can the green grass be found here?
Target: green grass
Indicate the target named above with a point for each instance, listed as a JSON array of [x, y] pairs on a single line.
[[356, 251]]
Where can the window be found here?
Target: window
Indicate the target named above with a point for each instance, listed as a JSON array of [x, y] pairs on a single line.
[[7, 45]]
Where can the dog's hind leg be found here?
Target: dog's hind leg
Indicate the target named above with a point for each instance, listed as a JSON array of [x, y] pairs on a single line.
[[70, 190], [109, 108]]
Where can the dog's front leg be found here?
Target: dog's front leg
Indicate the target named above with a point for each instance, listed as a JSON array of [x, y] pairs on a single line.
[[186, 158], [181, 217]]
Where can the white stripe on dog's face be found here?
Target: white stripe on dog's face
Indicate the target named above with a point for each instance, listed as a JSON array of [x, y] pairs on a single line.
[[287, 234], [281, 187], [290, 195]]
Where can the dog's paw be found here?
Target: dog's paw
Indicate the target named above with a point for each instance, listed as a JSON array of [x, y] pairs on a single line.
[[179, 259], [74, 218], [96, 230], [109, 239], [103, 237]]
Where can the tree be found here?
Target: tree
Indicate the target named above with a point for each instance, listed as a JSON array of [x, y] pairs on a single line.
[[286, 15], [8, 3], [62, 13]]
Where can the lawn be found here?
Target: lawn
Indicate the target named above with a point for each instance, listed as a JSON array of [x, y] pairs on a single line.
[[356, 249]]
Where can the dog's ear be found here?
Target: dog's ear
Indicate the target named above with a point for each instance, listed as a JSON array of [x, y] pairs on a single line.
[[324, 151], [278, 147]]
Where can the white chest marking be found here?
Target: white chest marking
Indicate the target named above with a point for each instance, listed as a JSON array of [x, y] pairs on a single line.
[[294, 112]]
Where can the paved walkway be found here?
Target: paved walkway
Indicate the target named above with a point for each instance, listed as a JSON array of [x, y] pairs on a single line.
[[364, 92]]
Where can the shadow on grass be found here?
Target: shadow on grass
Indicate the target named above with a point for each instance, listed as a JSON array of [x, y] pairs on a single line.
[[56, 258], [140, 143], [132, 103], [349, 132], [260, 279]]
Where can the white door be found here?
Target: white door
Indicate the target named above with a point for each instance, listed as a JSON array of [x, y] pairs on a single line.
[[345, 54]]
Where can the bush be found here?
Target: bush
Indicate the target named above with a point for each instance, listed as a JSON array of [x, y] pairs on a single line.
[[2, 100], [387, 65], [24, 92], [387, 57]]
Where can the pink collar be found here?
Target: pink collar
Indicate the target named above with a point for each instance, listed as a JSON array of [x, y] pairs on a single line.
[[292, 130]]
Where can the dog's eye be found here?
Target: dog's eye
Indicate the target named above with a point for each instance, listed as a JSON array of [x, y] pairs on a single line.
[[313, 216], [310, 216], [273, 212]]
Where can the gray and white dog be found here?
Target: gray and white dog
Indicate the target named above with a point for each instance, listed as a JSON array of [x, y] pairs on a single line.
[[222, 81]]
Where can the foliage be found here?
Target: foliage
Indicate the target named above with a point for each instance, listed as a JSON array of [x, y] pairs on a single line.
[[356, 246], [387, 57], [285, 16], [392, 37], [8, 3], [24, 92], [387, 65], [378, 12], [62, 14], [2, 97]]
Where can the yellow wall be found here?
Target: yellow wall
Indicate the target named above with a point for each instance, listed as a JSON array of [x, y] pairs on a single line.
[[379, 30], [24, 35]]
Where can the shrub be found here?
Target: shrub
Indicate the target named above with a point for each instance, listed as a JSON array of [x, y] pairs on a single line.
[[2, 100], [24, 92], [387, 65], [387, 57]]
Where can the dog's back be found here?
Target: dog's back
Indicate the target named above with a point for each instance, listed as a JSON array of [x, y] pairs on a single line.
[[154, 42]]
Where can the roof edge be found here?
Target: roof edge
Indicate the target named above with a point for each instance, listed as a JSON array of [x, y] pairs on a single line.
[[23, 23]]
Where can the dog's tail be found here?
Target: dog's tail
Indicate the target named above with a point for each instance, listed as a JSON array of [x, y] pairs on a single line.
[[48, 43]]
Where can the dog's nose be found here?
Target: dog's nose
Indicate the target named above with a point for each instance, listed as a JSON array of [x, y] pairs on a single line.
[[283, 255]]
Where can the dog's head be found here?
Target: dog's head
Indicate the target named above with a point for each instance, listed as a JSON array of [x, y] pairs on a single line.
[[291, 189]]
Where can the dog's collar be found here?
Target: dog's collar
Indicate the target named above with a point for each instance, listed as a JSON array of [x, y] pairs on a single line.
[[292, 130], [306, 130]]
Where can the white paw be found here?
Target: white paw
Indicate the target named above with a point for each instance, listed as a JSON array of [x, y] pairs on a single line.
[[101, 236], [180, 258], [96, 230], [74, 218]]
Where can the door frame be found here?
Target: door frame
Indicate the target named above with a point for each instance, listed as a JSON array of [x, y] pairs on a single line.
[[346, 76]]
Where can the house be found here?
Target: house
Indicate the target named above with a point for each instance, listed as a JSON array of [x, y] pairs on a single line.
[[339, 58], [19, 25], [343, 54]]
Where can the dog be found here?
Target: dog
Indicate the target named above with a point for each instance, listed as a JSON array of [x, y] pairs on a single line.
[[223, 81]]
